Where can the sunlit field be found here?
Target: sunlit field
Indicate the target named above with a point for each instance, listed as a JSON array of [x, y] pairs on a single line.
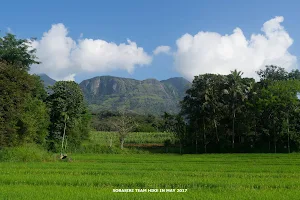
[[103, 138], [94, 176], [136, 142]]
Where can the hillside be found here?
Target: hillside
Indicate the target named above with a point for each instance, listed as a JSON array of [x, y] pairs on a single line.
[[47, 80], [149, 96]]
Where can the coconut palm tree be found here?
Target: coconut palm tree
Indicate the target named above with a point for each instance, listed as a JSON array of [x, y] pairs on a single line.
[[236, 92]]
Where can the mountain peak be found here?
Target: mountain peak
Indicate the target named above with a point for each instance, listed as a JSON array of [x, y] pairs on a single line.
[[47, 80]]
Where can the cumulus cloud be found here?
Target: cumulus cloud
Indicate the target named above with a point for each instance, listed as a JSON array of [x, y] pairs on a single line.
[[210, 52], [62, 57], [162, 49]]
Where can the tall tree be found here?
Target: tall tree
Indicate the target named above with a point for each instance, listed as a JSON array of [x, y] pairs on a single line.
[[67, 110], [236, 92], [24, 116]]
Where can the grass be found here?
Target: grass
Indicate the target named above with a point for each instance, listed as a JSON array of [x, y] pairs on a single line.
[[25, 153], [103, 138], [136, 143], [94, 176]]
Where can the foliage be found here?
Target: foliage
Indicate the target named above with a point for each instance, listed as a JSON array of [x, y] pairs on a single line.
[[25, 153], [224, 109], [17, 53], [23, 114], [123, 125], [146, 123], [67, 108]]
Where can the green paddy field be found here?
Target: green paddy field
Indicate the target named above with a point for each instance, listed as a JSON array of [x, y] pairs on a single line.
[[211, 176]]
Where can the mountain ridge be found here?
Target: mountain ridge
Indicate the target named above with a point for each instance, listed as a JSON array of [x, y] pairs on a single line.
[[149, 96]]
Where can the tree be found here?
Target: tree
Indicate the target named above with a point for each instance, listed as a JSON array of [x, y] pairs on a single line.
[[272, 73], [203, 106], [23, 114], [123, 125], [68, 114], [236, 94], [17, 53], [279, 99], [175, 124]]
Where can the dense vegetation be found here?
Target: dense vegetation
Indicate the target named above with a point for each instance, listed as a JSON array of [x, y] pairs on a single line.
[[219, 113], [229, 113], [27, 113], [102, 121]]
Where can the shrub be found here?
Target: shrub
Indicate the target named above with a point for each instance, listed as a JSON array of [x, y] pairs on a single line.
[[25, 153]]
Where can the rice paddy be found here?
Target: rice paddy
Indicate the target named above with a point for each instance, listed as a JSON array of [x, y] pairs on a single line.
[[212, 176], [103, 138]]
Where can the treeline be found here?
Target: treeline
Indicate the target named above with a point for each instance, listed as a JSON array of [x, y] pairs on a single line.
[[27, 113], [104, 121], [229, 113], [220, 113]]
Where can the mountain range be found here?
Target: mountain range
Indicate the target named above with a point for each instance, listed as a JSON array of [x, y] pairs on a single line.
[[148, 96]]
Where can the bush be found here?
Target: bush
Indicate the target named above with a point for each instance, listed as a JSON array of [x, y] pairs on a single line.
[[25, 153]]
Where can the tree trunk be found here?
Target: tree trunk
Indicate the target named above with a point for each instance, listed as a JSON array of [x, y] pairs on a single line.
[[180, 148], [196, 145], [110, 142], [204, 139], [62, 142], [275, 145], [233, 129], [122, 143], [288, 134], [215, 123]]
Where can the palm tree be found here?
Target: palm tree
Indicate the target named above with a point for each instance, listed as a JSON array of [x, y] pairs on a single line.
[[237, 95], [211, 100]]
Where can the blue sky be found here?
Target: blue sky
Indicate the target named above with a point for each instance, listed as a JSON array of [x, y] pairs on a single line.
[[154, 23]]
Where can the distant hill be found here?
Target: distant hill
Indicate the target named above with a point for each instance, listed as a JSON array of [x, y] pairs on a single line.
[[47, 80], [149, 96]]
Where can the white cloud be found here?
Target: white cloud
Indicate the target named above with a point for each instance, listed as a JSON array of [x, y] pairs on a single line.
[[109, 56], [162, 49], [70, 77], [210, 52], [62, 57]]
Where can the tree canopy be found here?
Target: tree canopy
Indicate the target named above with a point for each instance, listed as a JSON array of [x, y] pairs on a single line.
[[27, 113]]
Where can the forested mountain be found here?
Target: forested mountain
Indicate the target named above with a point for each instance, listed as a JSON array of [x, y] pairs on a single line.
[[149, 96]]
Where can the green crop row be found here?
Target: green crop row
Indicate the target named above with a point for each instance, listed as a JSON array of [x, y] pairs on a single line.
[[93, 176], [104, 138]]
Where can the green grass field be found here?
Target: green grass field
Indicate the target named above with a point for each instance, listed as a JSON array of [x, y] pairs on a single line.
[[94, 176], [103, 138]]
